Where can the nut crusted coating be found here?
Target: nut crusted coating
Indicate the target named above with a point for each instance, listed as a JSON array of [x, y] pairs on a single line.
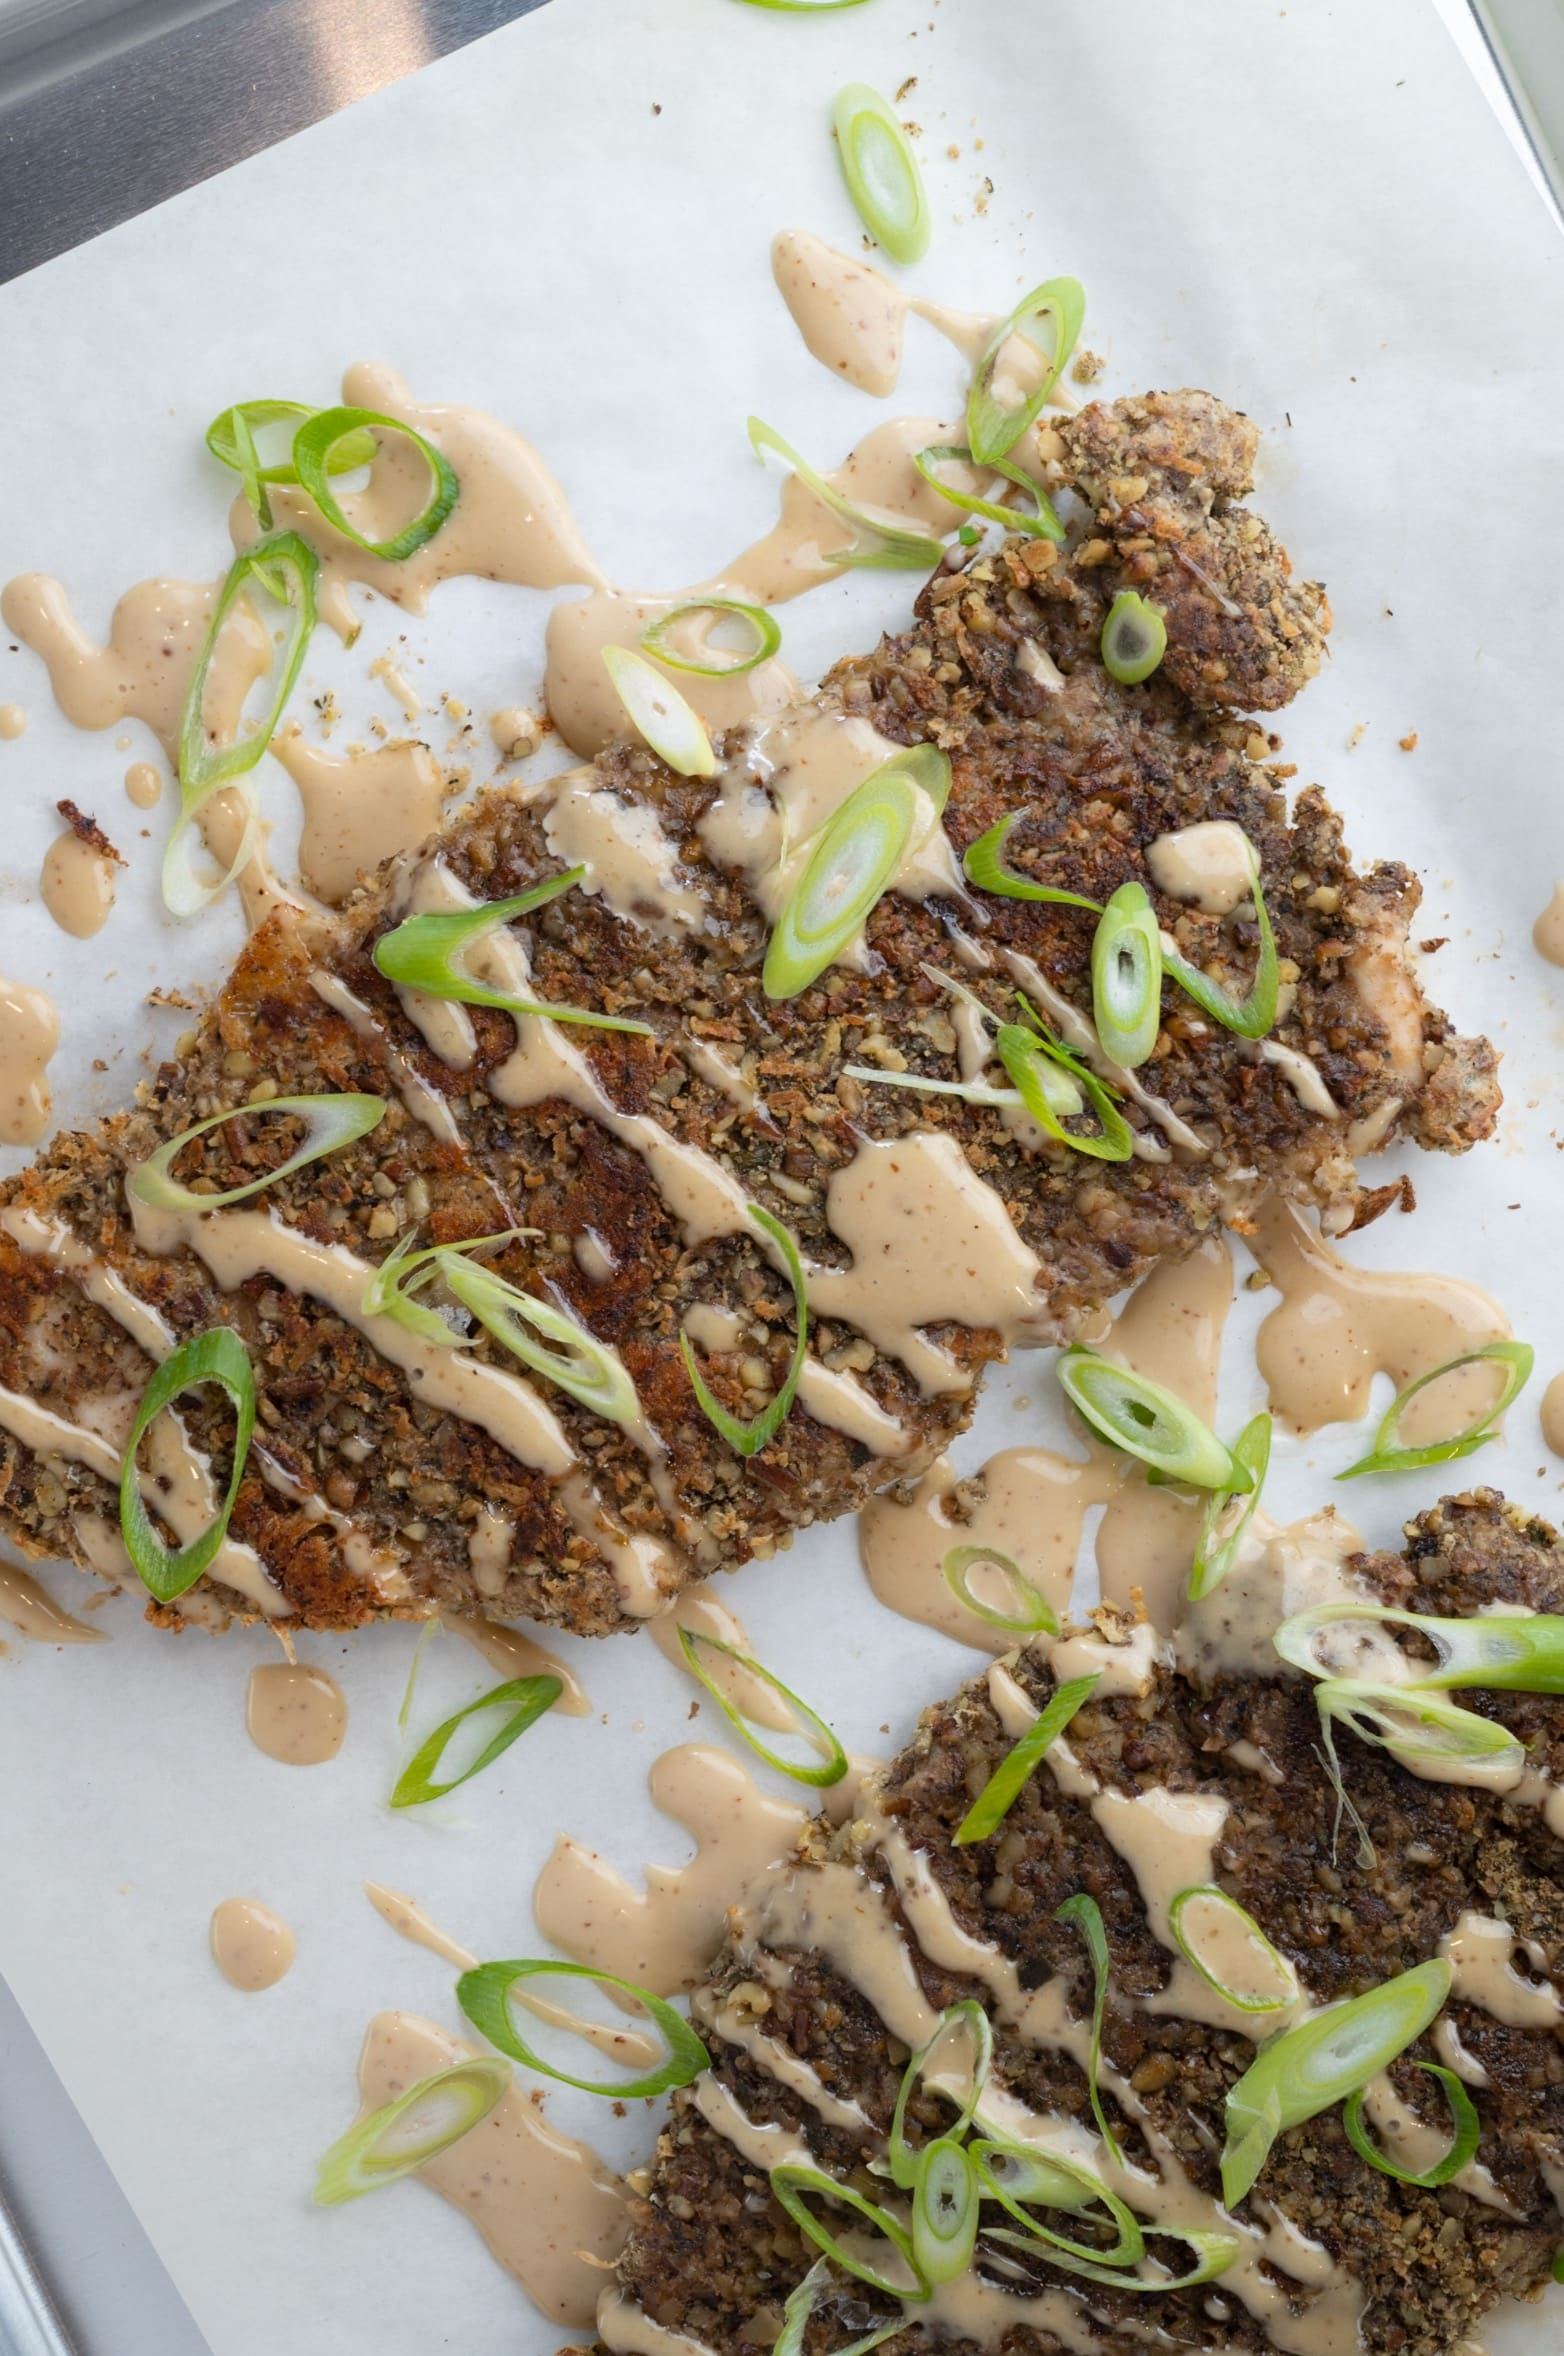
[[711, 2255], [1001, 669]]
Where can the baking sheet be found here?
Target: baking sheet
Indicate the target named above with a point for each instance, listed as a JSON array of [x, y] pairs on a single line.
[[1309, 211]]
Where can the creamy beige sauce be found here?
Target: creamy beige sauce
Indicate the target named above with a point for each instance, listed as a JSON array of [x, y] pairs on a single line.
[[1077, 1032], [701, 1611], [1209, 866], [25, 1607], [1033, 1509], [664, 1935], [385, 668], [629, 861], [76, 885], [550, 2211], [516, 1655], [1417, 2144], [295, 1713], [1276, 1572], [12, 722], [582, 701], [1481, 1954], [1553, 1415], [426, 1104], [838, 1400], [1338, 1326], [360, 809], [407, 1918], [143, 785], [851, 318], [1548, 932], [1303, 1076], [252, 1947], [29, 1035]]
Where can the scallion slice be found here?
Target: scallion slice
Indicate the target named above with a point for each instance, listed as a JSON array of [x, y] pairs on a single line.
[[998, 1796], [966, 2018], [1127, 977], [792, 2182], [1040, 524], [1027, 1051], [525, 1698], [855, 856], [1254, 1014], [985, 866], [801, 2302], [946, 2197], [255, 416], [747, 1439], [1085, 1914], [1214, 2253], [1509, 1652], [1134, 639], [1149, 1422], [764, 631], [548, 1340], [1215, 1555], [248, 460], [1064, 1098], [992, 429], [1034, 1614], [484, 1996], [833, 1761], [220, 1357], [1425, 1735], [1046, 2179], [325, 433], [428, 953], [881, 172], [371, 2153], [1466, 2134], [403, 1272], [1318, 2064], [1387, 1456], [1204, 1914], [660, 714], [878, 544], [331, 1122]]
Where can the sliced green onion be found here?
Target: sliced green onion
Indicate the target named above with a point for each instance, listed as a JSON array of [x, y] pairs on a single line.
[[658, 712], [855, 856], [881, 172], [484, 1996], [1318, 2064], [1510, 1652], [224, 441], [313, 445], [790, 2184], [1034, 1614], [248, 460], [1085, 1914], [991, 427], [765, 637], [998, 1796], [1386, 1456], [878, 543], [1063, 1096], [945, 2201], [427, 953], [360, 2163], [1196, 1914], [1127, 977], [967, 2016], [1367, 1854], [833, 1767], [1465, 2137], [802, 2301], [287, 568], [390, 1290], [1427, 1736], [929, 770], [1149, 1422], [1027, 1053], [1041, 524], [1046, 2179], [426, 1635], [331, 1121], [1214, 1556], [220, 1357], [985, 866], [747, 1439], [1134, 639], [1557, 2268], [1253, 1015], [548, 1340], [526, 1698], [1214, 2253]]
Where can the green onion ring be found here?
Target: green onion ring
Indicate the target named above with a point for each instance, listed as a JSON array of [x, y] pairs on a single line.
[[1147, 1421], [332, 1122], [325, 432], [1036, 1616], [747, 1439], [1027, 1053], [350, 2168], [248, 461], [426, 953], [946, 2197], [1214, 2253], [1127, 977], [803, 2299], [1252, 1016], [660, 715], [970, 2016], [217, 1356], [881, 171], [1208, 1897], [1386, 1456], [763, 627], [992, 429], [984, 865], [525, 1697], [849, 870], [1085, 1914], [1052, 2182], [1064, 1097], [567, 1354], [403, 1272], [790, 2183], [1466, 2136], [1134, 639], [878, 546], [356, 451], [426, 1634], [1311, 2068], [1422, 1733], [1508, 1652], [1041, 524], [1004, 1786], [484, 1996], [1214, 1558], [833, 1765]]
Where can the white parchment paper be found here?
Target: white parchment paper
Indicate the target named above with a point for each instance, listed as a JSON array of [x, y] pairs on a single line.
[[1307, 209]]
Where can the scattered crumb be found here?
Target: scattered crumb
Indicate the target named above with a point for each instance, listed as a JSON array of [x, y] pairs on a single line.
[[985, 191], [98, 1064], [1438, 942], [656, 108], [1408, 743], [1256, 1281], [1088, 367], [954, 153], [1357, 736], [175, 998], [911, 83], [88, 831]]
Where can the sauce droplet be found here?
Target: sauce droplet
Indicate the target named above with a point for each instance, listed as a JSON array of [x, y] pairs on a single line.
[[296, 1713], [252, 1947]]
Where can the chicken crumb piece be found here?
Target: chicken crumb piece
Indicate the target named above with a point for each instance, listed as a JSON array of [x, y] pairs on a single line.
[[1357, 736], [911, 83], [1438, 942], [1408, 743], [1088, 367]]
